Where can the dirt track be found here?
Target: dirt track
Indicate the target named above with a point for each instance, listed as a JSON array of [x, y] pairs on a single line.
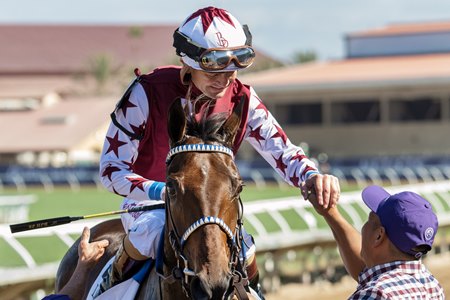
[[438, 265]]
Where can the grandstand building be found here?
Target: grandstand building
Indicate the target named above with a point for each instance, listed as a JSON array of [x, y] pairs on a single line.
[[389, 96]]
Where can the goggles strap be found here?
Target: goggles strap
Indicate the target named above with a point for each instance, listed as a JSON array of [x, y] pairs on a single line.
[[184, 44], [248, 35]]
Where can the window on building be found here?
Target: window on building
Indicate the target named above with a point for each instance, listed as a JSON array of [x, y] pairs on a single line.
[[419, 109], [367, 111], [299, 113]]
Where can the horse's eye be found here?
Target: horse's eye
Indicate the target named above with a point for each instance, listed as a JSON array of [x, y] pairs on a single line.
[[171, 189], [238, 190]]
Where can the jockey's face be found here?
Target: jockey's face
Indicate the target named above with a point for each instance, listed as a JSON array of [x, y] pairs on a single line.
[[213, 85]]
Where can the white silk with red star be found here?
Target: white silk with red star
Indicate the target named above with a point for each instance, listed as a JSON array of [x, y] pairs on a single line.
[[263, 132]]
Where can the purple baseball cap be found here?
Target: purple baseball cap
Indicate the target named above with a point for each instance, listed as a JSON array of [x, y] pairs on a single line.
[[408, 218]]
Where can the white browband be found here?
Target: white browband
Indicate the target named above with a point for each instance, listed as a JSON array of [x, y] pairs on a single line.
[[199, 148]]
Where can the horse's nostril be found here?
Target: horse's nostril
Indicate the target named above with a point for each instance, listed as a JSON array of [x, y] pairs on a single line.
[[199, 290]]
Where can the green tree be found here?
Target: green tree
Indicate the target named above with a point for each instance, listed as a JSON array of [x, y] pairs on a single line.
[[135, 32], [305, 56]]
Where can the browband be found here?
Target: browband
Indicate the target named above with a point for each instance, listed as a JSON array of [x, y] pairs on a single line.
[[198, 148]]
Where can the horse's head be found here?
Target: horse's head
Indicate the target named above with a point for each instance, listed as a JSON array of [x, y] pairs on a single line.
[[203, 206]]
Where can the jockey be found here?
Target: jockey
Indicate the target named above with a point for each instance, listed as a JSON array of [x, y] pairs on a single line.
[[213, 46]]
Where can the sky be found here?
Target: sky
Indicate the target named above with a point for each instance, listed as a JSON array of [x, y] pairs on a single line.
[[280, 28]]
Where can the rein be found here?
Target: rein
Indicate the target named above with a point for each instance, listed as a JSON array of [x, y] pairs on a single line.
[[234, 239]]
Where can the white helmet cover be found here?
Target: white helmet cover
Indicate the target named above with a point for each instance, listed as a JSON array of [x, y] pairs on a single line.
[[212, 27]]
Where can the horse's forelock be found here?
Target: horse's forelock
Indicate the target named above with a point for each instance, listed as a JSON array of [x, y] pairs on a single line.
[[207, 128]]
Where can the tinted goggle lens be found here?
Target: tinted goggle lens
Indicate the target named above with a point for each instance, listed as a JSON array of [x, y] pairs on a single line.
[[220, 59]]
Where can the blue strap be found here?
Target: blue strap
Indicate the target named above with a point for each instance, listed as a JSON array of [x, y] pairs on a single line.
[[159, 261], [155, 190], [139, 276], [310, 173]]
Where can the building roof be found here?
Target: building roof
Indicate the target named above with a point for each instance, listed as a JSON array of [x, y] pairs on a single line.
[[69, 49], [22, 87], [60, 127], [62, 49], [404, 29], [382, 71]]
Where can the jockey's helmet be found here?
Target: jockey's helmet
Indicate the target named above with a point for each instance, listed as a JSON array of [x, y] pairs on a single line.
[[213, 40]]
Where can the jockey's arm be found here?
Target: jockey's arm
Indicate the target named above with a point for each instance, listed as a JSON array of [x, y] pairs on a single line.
[[267, 137], [120, 151]]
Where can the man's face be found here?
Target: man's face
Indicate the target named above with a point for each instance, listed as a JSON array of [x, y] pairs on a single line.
[[369, 234], [213, 85]]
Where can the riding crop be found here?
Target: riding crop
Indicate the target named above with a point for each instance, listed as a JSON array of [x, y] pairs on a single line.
[[65, 220]]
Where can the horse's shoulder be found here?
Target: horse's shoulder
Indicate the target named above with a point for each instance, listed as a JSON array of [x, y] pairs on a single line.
[[109, 229]]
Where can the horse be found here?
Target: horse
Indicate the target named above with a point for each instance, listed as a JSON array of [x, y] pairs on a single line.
[[203, 229]]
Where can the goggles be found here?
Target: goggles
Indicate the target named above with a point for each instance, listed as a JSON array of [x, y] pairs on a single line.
[[219, 59], [215, 59]]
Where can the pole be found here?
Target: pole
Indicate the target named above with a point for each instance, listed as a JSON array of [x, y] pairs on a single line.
[[65, 220]]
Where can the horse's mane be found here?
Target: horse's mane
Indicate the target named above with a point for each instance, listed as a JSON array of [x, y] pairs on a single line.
[[207, 128]]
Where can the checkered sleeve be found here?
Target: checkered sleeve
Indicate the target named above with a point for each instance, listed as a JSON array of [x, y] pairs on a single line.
[[369, 294]]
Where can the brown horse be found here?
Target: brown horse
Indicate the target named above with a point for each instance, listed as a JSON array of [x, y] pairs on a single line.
[[203, 232]]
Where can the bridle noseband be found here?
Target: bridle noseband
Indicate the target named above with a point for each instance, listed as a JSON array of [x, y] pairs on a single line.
[[234, 239]]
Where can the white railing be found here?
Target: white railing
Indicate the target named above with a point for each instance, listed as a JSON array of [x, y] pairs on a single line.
[[438, 193], [15, 208]]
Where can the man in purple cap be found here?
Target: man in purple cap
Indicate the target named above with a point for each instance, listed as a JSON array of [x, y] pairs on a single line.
[[385, 258]]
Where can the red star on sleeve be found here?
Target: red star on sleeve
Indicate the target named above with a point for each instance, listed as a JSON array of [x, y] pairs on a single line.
[[114, 144], [256, 134], [137, 130], [207, 15], [136, 182], [109, 170], [263, 107], [294, 179], [280, 165], [129, 164], [280, 134], [299, 156], [127, 104]]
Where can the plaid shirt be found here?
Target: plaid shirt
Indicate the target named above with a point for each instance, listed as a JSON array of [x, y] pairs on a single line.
[[398, 280]]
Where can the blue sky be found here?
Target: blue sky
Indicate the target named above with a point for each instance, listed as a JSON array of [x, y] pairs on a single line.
[[279, 27]]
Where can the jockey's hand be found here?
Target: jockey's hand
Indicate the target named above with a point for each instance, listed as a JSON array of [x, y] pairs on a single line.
[[90, 253], [325, 188]]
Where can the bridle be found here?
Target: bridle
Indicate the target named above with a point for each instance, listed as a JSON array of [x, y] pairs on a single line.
[[182, 271]]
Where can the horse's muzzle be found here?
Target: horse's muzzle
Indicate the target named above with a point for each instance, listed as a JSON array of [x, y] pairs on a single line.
[[202, 290]]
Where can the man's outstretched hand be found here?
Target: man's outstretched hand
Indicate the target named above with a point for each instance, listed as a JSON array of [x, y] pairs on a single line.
[[325, 188]]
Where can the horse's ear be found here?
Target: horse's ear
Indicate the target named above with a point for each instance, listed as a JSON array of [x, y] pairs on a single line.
[[231, 125], [176, 122]]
